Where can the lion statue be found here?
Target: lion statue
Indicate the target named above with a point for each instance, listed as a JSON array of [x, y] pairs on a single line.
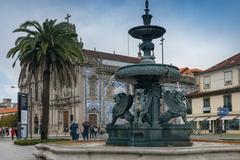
[[123, 103], [174, 100]]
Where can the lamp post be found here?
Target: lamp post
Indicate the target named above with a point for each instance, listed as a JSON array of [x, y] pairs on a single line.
[[30, 116], [16, 89], [162, 39]]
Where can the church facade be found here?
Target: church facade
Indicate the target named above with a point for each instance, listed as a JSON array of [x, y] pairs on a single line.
[[90, 100]]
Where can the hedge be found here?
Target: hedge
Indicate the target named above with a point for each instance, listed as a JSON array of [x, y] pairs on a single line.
[[26, 142]]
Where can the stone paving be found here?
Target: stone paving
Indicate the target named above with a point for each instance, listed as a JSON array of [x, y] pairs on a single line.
[[9, 151]]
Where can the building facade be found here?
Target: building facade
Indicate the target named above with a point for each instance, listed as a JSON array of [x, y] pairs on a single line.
[[216, 106], [7, 102], [90, 100], [189, 80]]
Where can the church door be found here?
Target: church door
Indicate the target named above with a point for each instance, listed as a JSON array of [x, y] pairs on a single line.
[[93, 119], [65, 121]]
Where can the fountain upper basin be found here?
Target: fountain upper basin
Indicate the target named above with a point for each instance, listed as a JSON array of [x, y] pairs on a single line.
[[144, 73], [149, 32]]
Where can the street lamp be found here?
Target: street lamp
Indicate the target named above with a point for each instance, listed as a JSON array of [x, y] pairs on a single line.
[[162, 39], [14, 87]]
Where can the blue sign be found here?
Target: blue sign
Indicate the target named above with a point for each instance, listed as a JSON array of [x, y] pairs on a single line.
[[222, 111], [22, 115], [22, 101]]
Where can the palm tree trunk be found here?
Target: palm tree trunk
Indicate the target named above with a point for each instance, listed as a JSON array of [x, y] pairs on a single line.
[[45, 100]]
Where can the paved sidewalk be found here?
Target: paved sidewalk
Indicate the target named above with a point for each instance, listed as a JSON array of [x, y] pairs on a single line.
[[221, 138], [9, 151], [218, 136]]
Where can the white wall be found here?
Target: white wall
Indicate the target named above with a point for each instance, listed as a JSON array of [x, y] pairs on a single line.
[[215, 102], [197, 105], [217, 79], [236, 102]]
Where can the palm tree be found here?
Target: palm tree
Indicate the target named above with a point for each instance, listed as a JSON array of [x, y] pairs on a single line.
[[50, 48]]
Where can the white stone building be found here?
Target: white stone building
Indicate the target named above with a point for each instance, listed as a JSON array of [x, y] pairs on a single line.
[[216, 106]]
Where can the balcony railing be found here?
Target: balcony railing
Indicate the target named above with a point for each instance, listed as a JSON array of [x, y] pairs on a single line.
[[187, 79], [206, 109], [65, 101]]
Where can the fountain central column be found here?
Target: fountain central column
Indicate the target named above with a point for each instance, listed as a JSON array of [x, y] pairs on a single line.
[[155, 107]]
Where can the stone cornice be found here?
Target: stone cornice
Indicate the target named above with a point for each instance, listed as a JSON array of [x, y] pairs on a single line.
[[213, 93]]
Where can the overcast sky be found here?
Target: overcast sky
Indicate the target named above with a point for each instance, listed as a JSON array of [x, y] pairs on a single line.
[[200, 33]]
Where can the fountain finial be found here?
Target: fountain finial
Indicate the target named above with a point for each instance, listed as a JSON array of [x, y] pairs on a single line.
[[147, 17], [146, 6]]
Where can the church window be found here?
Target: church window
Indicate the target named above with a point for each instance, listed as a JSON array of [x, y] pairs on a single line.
[[92, 86]]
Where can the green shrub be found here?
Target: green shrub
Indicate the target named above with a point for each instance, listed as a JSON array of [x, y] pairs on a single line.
[[26, 142], [9, 121]]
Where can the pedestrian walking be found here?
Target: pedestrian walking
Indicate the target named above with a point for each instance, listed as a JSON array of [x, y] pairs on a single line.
[[98, 129], [77, 133], [91, 130], [3, 133], [95, 131], [12, 133], [7, 131], [85, 130], [15, 132], [73, 131]]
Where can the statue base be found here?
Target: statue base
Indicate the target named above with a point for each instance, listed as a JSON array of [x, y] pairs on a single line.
[[162, 136]]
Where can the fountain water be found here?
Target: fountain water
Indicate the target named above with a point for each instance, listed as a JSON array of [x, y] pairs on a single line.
[[149, 128]]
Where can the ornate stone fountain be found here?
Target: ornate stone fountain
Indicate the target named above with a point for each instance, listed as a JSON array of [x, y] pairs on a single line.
[[147, 126]]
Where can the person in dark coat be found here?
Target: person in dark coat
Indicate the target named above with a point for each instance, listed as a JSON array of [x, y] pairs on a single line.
[[91, 130], [73, 132], [7, 131], [85, 130], [77, 133]]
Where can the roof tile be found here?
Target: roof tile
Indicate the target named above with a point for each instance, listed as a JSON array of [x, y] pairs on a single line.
[[110, 56], [232, 61], [8, 110]]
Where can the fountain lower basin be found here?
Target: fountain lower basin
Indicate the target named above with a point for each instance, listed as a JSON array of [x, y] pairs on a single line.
[[98, 150]]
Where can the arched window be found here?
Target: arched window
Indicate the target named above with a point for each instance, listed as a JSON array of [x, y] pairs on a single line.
[[92, 86]]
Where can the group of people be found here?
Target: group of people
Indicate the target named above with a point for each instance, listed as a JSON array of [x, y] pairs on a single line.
[[86, 128], [6, 132]]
